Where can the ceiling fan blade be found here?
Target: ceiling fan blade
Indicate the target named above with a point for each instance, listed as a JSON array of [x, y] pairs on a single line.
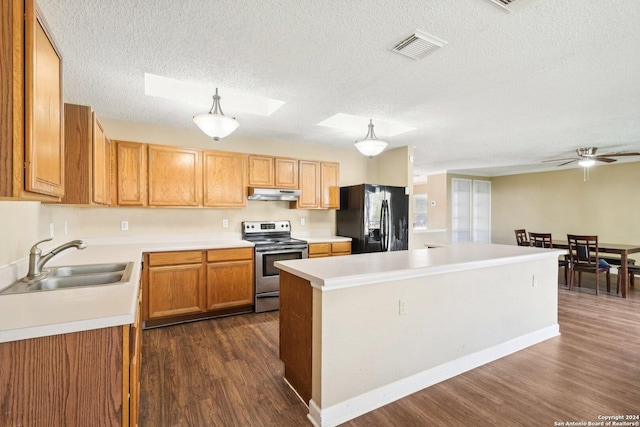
[[618, 155], [604, 159], [566, 163], [559, 160]]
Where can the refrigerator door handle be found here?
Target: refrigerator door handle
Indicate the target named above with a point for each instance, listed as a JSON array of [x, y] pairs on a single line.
[[384, 226]]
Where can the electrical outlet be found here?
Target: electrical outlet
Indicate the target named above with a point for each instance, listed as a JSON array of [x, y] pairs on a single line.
[[534, 281], [225, 223], [51, 229], [66, 230], [303, 221], [124, 225], [402, 307]]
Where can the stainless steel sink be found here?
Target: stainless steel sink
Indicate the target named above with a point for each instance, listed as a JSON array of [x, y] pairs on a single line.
[[72, 270], [75, 276]]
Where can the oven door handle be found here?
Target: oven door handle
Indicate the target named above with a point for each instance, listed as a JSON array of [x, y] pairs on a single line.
[[268, 294], [280, 251]]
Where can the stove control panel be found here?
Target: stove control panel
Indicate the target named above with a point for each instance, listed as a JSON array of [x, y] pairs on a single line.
[[249, 227]]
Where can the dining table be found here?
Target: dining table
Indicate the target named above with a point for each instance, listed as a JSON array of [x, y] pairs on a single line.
[[612, 248]]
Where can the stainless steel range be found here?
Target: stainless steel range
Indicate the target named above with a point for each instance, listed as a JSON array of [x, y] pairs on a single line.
[[273, 242]]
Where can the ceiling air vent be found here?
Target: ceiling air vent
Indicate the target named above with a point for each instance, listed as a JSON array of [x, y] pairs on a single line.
[[510, 5], [418, 45]]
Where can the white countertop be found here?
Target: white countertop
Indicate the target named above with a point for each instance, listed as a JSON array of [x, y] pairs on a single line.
[[45, 313], [324, 239], [361, 269]]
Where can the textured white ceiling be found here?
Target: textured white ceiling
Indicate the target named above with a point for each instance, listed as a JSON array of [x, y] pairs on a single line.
[[509, 89]]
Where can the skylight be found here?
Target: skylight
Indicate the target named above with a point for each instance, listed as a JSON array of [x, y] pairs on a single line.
[[200, 94], [351, 123]]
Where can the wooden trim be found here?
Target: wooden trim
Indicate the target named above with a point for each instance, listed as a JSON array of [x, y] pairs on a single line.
[[6, 99], [126, 358]]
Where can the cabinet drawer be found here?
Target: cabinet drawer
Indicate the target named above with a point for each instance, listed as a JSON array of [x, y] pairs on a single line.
[[319, 249], [341, 248], [231, 254], [175, 258]]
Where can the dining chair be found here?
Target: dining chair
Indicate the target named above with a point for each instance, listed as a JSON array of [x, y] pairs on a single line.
[[521, 237], [633, 270], [583, 257], [544, 240]]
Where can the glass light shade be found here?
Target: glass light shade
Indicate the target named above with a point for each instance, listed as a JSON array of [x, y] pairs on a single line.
[[585, 163], [371, 147], [216, 125]]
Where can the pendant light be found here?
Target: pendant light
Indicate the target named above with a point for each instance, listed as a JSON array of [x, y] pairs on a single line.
[[371, 146], [215, 123]]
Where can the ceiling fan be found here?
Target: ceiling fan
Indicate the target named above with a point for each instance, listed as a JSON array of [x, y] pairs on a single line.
[[587, 157]]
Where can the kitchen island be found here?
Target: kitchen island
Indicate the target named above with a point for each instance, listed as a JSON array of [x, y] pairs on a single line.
[[359, 332]]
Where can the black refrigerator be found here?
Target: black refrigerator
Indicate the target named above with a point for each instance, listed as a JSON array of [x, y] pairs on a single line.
[[376, 217]]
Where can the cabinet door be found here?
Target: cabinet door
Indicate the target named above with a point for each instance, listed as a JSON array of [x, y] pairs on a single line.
[[175, 176], [340, 248], [175, 290], [131, 174], [101, 163], [309, 185], [330, 185], [229, 284], [261, 171], [286, 171], [225, 179], [44, 138], [317, 250]]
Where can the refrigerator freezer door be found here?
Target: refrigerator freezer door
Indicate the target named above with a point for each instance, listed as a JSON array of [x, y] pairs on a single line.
[[398, 203]]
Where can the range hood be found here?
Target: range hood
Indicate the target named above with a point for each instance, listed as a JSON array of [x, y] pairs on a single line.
[[273, 194]]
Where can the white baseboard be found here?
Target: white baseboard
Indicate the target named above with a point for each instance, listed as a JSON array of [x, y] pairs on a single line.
[[359, 405]]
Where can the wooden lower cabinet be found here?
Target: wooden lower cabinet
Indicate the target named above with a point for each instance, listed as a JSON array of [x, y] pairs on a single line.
[[189, 285], [229, 278], [318, 250], [175, 284], [75, 379]]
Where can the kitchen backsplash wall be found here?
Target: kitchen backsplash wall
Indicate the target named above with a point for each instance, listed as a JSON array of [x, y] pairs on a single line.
[[19, 229], [95, 221]]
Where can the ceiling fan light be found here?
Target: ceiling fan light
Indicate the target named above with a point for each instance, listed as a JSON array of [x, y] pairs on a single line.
[[214, 123], [586, 163], [371, 146]]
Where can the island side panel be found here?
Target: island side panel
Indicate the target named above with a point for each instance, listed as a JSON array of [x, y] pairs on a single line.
[[448, 317], [296, 307], [70, 379]]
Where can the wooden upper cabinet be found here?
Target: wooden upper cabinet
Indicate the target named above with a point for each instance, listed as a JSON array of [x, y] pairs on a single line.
[[87, 158], [43, 106], [101, 164], [330, 185], [273, 172], [309, 185], [319, 185], [261, 171], [174, 176], [286, 173], [131, 173], [225, 179]]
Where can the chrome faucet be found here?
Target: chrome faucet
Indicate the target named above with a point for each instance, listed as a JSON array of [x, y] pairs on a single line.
[[37, 260]]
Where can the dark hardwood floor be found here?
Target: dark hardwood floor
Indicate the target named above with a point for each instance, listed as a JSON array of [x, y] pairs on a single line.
[[226, 372]]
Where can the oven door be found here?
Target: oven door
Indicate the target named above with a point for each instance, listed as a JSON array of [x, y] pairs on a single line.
[[267, 275]]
